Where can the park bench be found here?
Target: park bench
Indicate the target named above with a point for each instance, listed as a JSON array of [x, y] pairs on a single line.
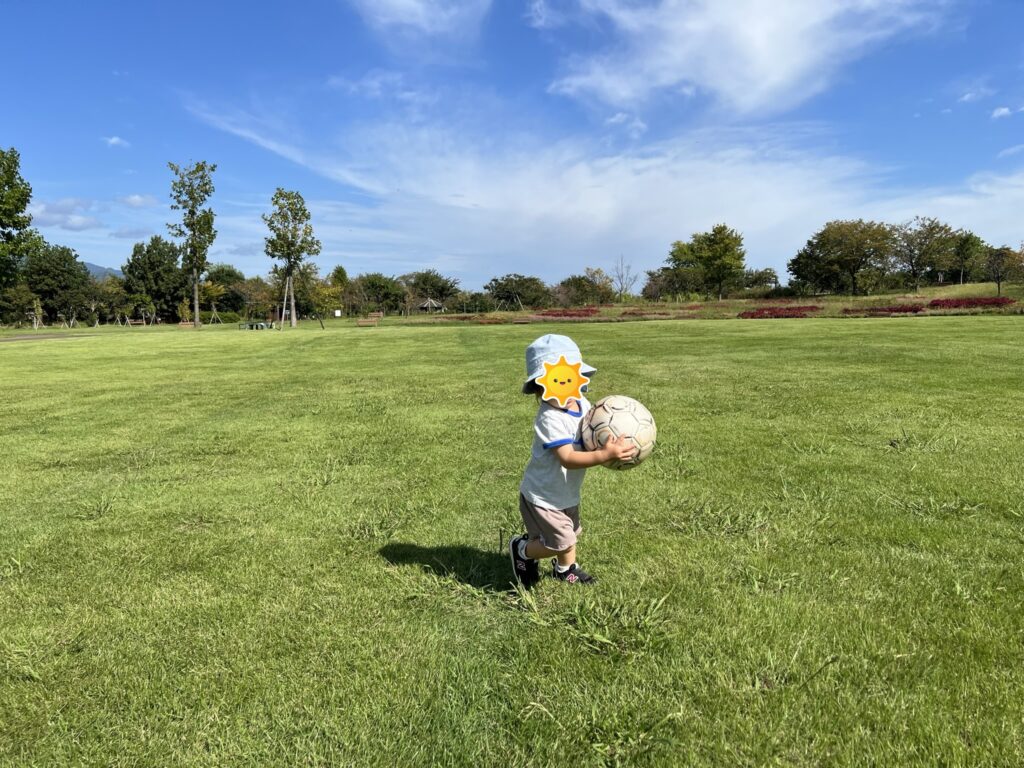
[[135, 322], [255, 325], [372, 318]]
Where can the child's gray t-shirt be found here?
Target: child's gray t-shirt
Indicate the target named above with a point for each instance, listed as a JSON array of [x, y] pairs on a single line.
[[546, 483]]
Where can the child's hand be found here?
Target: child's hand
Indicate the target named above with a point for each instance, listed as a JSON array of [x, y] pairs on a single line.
[[618, 449]]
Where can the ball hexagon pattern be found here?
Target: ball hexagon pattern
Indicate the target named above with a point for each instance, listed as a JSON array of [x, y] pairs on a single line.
[[619, 416]]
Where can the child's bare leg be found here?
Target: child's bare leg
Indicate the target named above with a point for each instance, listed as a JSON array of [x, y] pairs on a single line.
[[537, 551]]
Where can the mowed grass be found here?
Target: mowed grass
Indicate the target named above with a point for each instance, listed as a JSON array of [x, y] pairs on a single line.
[[281, 548]]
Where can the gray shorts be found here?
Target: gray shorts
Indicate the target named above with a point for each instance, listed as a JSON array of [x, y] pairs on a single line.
[[557, 529]]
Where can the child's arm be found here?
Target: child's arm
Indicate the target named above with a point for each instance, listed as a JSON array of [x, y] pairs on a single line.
[[617, 448]]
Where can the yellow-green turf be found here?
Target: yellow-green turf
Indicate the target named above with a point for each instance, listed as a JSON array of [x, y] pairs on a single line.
[[281, 548]]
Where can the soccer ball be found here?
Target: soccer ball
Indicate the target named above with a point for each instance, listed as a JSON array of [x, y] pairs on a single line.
[[616, 416]]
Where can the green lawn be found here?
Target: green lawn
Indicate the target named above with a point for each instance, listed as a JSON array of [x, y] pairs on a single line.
[[281, 548]]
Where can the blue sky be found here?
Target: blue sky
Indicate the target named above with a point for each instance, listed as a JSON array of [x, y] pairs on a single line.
[[481, 137]]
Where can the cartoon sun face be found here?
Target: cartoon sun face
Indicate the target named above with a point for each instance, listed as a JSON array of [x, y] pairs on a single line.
[[562, 381]]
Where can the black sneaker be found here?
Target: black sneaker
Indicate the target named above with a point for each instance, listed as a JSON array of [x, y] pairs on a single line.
[[575, 574], [526, 570]]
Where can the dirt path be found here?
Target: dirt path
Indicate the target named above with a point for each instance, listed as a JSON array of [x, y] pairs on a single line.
[[44, 336]]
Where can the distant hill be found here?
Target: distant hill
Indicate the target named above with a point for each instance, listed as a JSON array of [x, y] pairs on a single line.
[[100, 272]]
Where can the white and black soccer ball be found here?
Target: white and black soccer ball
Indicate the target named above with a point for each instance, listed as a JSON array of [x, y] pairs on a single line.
[[618, 416]]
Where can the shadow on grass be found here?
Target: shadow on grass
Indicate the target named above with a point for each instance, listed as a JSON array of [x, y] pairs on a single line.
[[483, 570]]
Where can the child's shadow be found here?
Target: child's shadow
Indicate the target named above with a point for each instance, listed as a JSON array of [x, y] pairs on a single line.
[[475, 567]]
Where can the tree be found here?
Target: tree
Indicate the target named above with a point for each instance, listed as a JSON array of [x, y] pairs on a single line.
[[339, 277], [190, 189], [376, 291], [16, 302], [969, 251], [57, 277], [430, 284], [623, 277], [1002, 264], [153, 270], [15, 195], [922, 245], [719, 254], [257, 297], [231, 278], [110, 295], [516, 290], [839, 253], [291, 237], [592, 287]]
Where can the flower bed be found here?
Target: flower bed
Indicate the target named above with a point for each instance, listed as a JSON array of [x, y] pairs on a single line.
[[990, 301], [642, 313], [895, 309], [581, 312], [770, 313]]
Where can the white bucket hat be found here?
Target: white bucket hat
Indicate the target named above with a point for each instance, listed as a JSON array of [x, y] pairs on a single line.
[[547, 349]]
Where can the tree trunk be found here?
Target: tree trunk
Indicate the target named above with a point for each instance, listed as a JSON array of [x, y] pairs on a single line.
[[999, 287], [195, 298], [291, 298], [961, 275]]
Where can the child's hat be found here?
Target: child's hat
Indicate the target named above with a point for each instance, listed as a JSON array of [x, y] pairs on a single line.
[[547, 349]]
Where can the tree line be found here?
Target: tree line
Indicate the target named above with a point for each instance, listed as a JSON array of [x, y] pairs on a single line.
[[843, 257], [172, 280]]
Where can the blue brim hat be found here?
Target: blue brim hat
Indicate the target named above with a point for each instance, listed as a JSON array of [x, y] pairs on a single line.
[[548, 349]]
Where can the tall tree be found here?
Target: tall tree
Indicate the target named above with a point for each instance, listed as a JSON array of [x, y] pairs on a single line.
[[190, 189], [922, 245], [837, 255], [968, 251], [1002, 264], [58, 278], [15, 195], [339, 277], [720, 254], [291, 237], [153, 270]]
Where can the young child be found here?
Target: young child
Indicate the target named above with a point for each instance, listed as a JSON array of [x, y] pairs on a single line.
[[549, 495]]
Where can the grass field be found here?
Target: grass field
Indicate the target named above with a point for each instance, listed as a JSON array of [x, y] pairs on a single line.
[[226, 548]]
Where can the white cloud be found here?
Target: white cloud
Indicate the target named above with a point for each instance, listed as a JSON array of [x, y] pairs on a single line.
[[751, 55], [116, 141], [976, 94], [541, 15], [139, 201], [476, 204], [1001, 112], [428, 17], [1010, 151], [632, 124], [68, 213]]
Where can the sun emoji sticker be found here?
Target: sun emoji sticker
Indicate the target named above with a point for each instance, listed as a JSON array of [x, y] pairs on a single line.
[[562, 381]]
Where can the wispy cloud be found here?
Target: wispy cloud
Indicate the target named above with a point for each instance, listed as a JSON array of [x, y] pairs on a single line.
[[1011, 151], [138, 201], [632, 124], [750, 55], [427, 17], [116, 141], [1001, 112]]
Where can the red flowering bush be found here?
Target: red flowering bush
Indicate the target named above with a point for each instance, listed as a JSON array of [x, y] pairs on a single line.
[[769, 313], [643, 313], [895, 309], [990, 301]]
